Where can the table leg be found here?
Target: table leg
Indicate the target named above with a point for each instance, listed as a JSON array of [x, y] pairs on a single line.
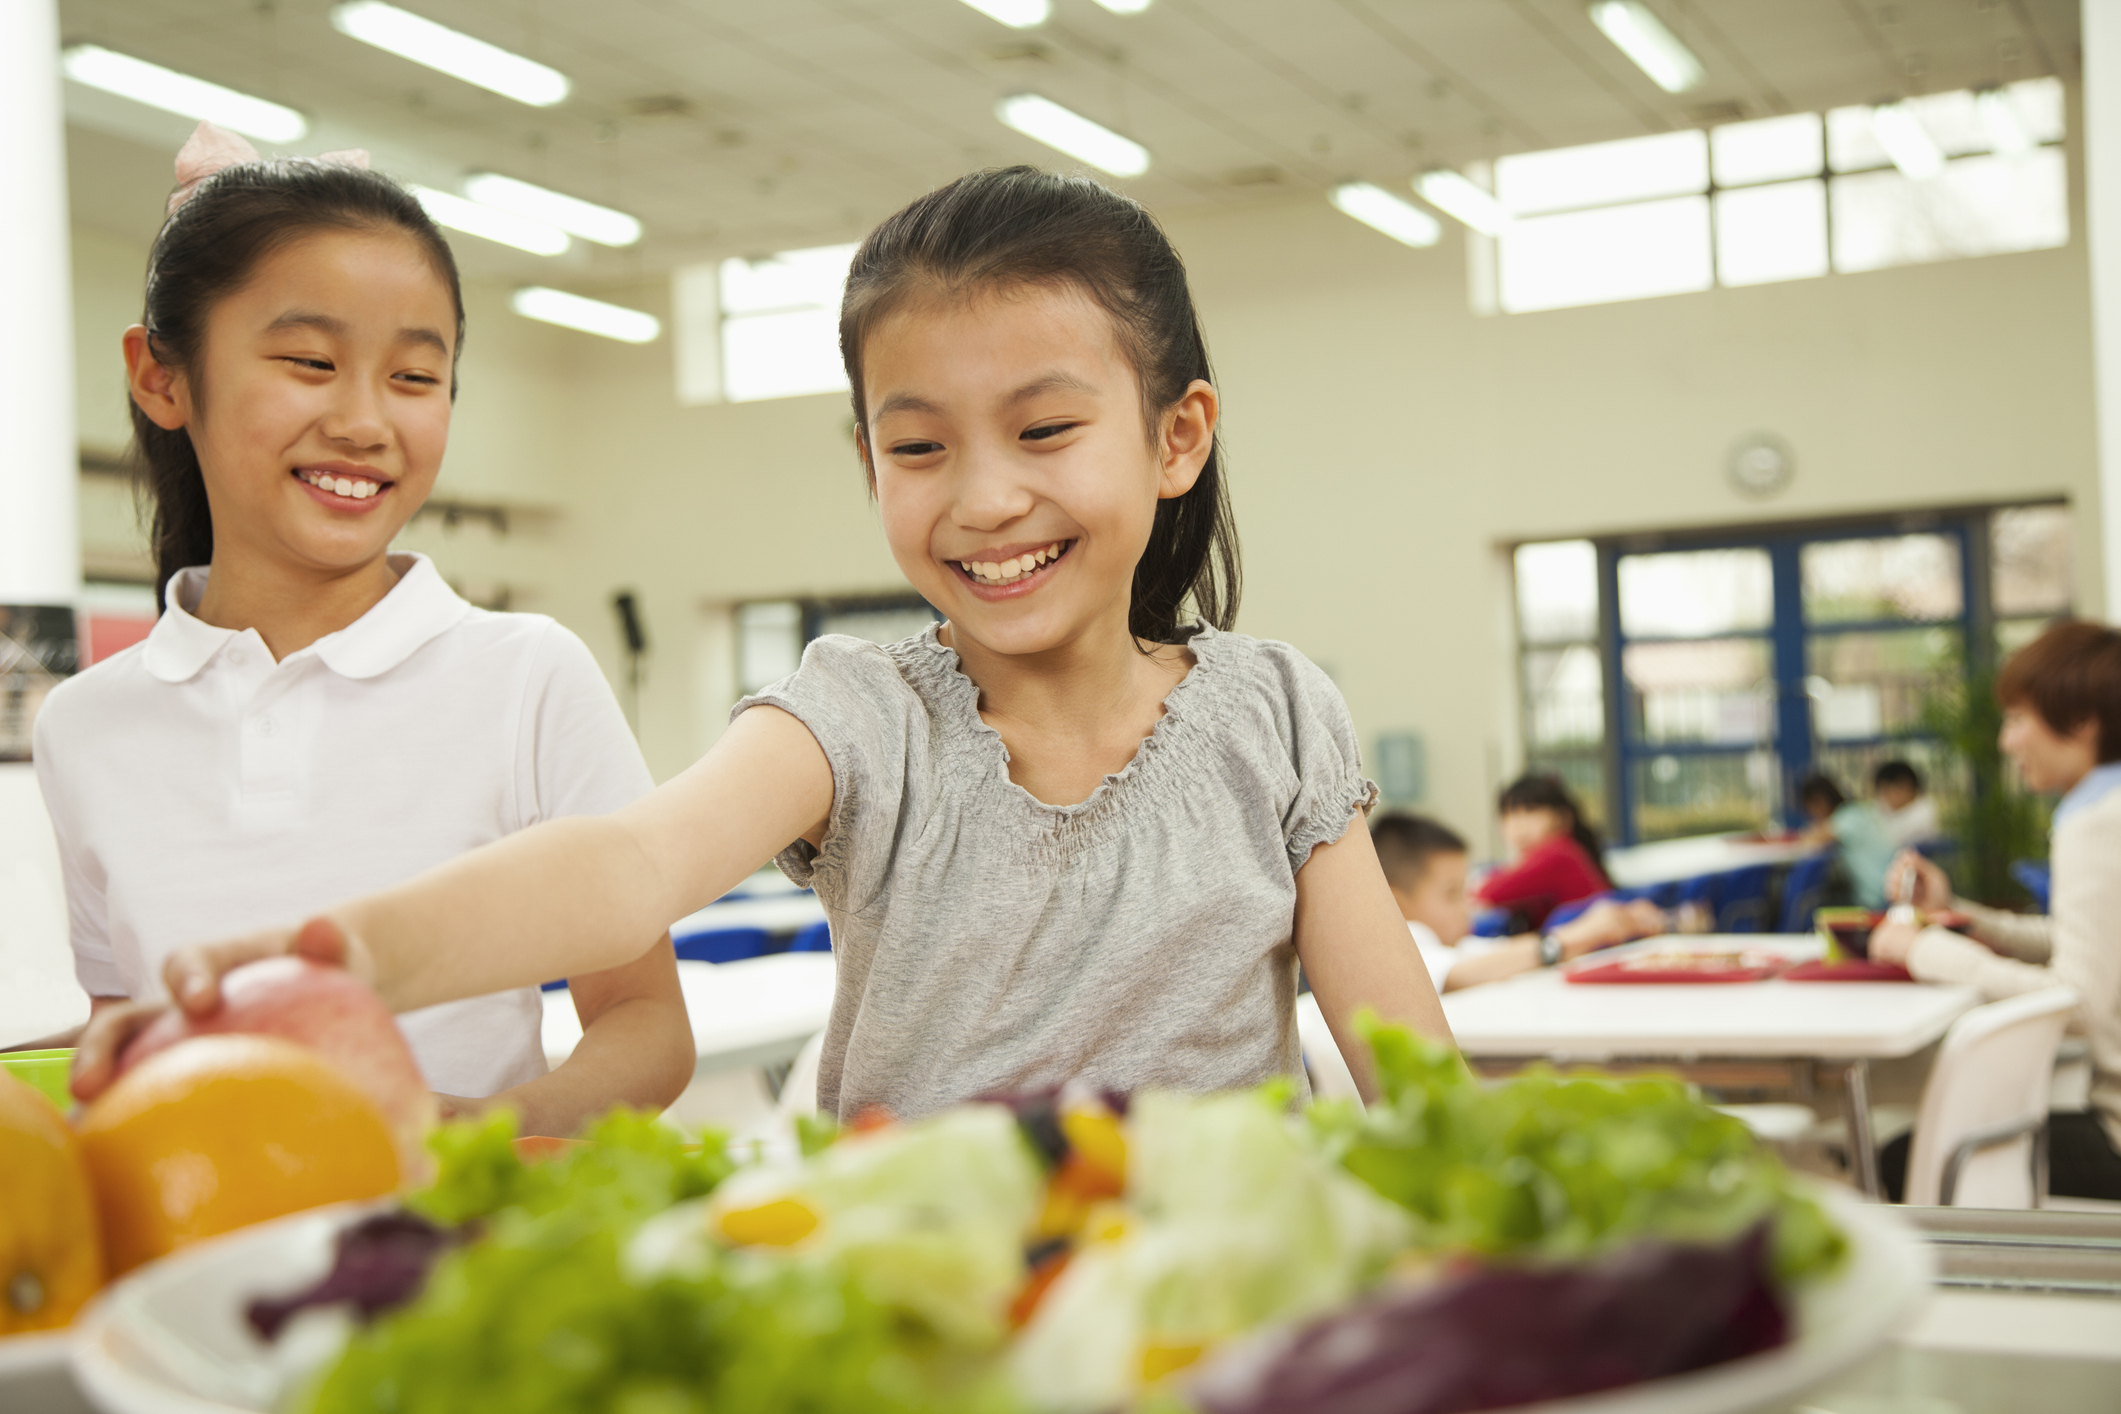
[[1863, 1156]]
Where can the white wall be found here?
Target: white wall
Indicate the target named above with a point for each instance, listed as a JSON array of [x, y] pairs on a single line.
[[1384, 442]]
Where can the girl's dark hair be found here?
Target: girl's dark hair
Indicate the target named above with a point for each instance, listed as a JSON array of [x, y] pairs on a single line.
[[1538, 792], [1016, 226], [208, 250], [1823, 789]]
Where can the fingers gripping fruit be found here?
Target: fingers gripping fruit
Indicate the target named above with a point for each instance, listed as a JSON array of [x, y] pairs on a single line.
[[222, 1132], [51, 1254], [332, 1013]]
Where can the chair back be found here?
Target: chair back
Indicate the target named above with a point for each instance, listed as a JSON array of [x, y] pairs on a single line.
[[1980, 1136], [1330, 1077], [1801, 891], [721, 944]]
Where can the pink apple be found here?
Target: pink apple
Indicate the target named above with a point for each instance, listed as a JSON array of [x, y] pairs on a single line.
[[332, 1013]]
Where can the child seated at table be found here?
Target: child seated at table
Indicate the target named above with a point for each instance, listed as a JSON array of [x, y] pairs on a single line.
[[1556, 852], [1426, 864], [1856, 828]]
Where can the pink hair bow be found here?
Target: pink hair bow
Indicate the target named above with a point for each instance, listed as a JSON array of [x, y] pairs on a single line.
[[210, 148]]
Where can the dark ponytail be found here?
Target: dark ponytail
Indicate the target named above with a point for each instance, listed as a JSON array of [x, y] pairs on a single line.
[[206, 251], [1548, 793], [1020, 226]]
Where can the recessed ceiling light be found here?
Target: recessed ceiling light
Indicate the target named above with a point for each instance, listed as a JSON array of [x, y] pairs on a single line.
[[1456, 195], [182, 94], [2003, 123], [1072, 133], [1125, 7], [582, 218], [1637, 32], [1906, 141], [489, 223], [591, 316], [1017, 14], [1377, 208], [459, 55]]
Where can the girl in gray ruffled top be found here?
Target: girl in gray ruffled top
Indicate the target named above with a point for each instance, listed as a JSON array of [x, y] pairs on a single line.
[[1066, 834]]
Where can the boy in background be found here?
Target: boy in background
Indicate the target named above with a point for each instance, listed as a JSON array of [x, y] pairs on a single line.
[[1910, 814], [1427, 863]]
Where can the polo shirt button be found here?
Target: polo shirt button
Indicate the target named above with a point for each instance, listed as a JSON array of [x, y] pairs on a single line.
[[236, 656], [265, 727]]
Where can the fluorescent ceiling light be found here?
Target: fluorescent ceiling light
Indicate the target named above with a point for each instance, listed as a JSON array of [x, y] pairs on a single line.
[[1637, 32], [458, 55], [1906, 141], [1379, 209], [2001, 120], [1072, 133], [1125, 7], [582, 218], [1455, 195], [489, 223], [591, 316], [1017, 14], [173, 92]]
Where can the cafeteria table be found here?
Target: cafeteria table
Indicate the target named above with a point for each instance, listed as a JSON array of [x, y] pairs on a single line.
[[757, 1011], [1844, 1025], [1668, 861]]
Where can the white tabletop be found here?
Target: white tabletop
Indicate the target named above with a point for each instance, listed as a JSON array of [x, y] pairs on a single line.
[[1540, 1014], [1639, 866], [758, 1011]]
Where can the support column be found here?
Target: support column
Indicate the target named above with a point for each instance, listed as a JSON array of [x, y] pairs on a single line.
[[2102, 232], [40, 539]]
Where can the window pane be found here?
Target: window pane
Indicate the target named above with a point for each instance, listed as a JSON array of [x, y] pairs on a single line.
[[1594, 257], [1557, 592], [2030, 560], [1720, 691], [782, 355], [1770, 150], [1896, 577], [2040, 104], [1866, 685], [1676, 796], [1771, 233], [1977, 206], [1565, 696], [1669, 164], [1695, 593], [1850, 767], [769, 642], [879, 624], [2014, 634], [794, 279]]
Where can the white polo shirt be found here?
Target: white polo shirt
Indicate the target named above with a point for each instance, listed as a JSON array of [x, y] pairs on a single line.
[[200, 791]]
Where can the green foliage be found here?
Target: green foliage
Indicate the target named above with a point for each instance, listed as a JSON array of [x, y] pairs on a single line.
[[1564, 1167], [1994, 822]]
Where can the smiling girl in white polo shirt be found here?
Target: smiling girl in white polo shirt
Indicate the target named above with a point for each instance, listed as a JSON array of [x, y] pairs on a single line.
[[313, 718]]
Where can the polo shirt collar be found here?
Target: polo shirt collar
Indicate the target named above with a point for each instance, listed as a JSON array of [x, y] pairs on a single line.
[[419, 608], [2098, 783]]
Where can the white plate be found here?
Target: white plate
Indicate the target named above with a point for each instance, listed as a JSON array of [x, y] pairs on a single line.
[[171, 1339]]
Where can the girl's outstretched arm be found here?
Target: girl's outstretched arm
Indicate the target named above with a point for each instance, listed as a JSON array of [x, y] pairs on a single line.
[[1356, 950], [559, 899]]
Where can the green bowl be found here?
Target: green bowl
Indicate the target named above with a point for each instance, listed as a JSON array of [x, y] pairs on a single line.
[[43, 1071]]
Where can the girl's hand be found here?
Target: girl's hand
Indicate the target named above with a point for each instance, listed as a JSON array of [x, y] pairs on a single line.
[[1933, 889], [193, 976], [1892, 942]]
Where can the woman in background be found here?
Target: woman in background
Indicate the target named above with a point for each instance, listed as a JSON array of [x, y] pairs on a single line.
[[1556, 854], [2061, 700]]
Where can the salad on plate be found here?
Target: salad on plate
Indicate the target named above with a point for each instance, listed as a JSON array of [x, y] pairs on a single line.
[[1457, 1246]]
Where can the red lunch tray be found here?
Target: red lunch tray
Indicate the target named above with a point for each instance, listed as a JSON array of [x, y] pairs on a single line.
[[1757, 968], [1850, 969]]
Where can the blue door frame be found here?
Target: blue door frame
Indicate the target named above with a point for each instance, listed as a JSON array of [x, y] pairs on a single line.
[[1794, 742]]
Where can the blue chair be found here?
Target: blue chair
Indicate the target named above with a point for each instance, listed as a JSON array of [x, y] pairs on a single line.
[[722, 944], [1741, 901], [1570, 912], [1801, 890], [815, 938], [2034, 877], [559, 986], [1491, 923]]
